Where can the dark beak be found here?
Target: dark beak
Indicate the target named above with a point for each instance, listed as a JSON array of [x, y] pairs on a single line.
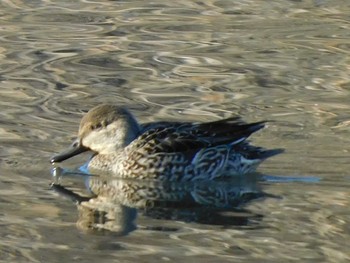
[[75, 149]]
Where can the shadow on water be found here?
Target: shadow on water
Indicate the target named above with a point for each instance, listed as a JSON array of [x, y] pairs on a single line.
[[113, 204]]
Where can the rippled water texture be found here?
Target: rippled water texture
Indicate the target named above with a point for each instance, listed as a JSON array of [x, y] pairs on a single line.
[[285, 60]]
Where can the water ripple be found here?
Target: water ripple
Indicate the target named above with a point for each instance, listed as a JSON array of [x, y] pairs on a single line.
[[285, 61]]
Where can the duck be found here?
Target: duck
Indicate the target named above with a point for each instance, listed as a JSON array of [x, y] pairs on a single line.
[[165, 150]]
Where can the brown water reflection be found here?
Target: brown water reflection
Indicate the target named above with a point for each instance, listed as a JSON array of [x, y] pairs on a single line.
[[112, 204], [286, 61]]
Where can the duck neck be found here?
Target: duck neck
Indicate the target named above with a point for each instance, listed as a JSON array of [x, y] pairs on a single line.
[[107, 162]]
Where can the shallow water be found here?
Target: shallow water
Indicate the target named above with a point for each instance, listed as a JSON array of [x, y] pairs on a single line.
[[286, 61]]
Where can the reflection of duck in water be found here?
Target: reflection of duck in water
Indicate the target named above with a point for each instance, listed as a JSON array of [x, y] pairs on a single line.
[[176, 151], [149, 193], [115, 202]]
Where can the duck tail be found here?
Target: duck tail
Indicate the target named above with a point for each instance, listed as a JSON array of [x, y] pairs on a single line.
[[264, 154]]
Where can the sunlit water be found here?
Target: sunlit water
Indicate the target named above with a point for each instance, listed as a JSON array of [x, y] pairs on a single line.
[[285, 61]]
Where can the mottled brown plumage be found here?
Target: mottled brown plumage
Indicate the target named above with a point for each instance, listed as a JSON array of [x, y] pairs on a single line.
[[179, 151]]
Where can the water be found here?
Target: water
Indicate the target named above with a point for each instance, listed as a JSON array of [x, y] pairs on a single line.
[[286, 61]]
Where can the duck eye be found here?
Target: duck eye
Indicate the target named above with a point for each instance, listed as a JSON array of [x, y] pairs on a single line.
[[96, 126]]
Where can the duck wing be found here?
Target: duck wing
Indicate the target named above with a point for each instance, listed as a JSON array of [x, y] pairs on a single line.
[[173, 137]]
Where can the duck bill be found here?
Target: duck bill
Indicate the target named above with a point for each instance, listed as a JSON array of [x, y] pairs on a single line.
[[75, 149]]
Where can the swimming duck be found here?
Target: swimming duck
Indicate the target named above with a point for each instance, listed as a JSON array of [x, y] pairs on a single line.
[[175, 151]]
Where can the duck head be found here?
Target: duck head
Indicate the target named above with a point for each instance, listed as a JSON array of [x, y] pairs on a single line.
[[105, 129]]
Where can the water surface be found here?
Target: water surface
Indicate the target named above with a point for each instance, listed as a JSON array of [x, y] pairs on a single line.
[[286, 61]]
